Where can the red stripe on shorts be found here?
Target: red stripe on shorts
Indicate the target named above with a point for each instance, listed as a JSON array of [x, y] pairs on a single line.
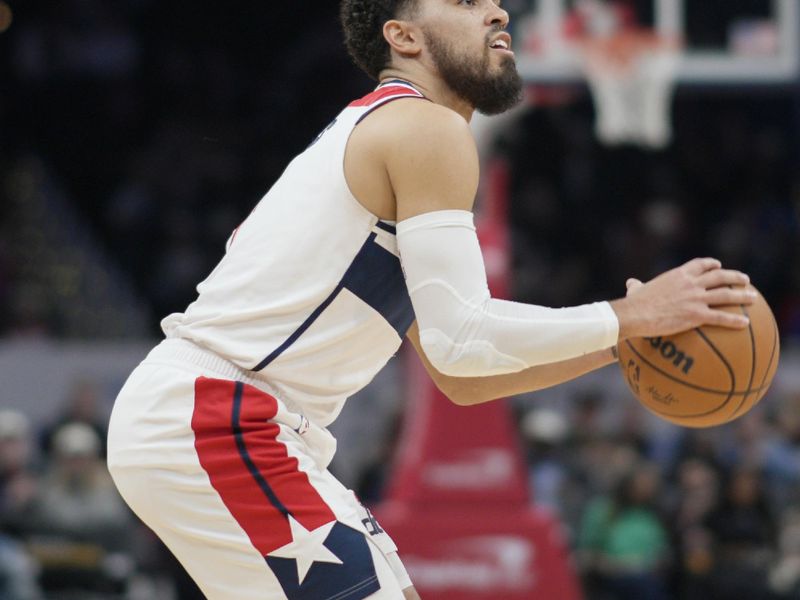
[[384, 92], [251, 470]]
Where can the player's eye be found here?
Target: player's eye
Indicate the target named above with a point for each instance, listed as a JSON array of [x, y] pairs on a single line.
[[468, 2]]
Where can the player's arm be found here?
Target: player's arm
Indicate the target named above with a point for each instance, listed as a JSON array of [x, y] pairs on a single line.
[[467, 391], [432, 164]]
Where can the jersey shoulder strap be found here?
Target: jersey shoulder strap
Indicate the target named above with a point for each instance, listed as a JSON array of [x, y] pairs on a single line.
[[386, 92]]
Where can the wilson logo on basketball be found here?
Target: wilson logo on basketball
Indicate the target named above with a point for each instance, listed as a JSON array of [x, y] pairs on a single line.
[[708, 375], [671, 352]]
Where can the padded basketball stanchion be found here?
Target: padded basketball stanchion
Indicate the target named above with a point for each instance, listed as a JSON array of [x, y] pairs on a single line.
[[458, 505]]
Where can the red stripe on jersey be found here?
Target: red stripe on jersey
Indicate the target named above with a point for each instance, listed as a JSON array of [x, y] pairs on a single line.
[[386, 92], [281, 471], [249, 468]]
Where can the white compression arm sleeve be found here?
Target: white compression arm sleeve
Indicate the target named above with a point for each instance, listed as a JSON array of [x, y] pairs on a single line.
[[463, 331]]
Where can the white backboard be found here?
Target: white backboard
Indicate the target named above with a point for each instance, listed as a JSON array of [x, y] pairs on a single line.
[[755, 42]]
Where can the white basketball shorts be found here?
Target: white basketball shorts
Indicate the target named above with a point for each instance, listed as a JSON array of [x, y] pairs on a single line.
[[236, 485]]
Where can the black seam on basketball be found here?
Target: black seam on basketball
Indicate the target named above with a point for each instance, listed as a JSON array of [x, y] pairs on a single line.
[[771, 358], [738, 409], [727, 366], [771, 354], [729, 394]]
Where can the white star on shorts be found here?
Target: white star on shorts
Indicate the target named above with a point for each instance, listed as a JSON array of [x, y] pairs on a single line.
[[307, 547]]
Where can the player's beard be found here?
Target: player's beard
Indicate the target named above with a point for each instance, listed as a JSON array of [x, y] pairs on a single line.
[[473, 82]]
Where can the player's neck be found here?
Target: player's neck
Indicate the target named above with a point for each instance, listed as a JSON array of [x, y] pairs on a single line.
[[433, 88]]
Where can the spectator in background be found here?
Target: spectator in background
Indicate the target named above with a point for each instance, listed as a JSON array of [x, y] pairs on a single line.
[[622, 542], [746, 442], [701, 444], [545, 432], [18, 480], [17, 572], [79, 526], [18, 485], [782, 454], [743, 529], [784, 573], [696, 496], [602, 461], [82, 405]]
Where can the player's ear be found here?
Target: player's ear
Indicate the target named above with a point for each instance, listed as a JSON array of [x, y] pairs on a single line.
[[403, 37]]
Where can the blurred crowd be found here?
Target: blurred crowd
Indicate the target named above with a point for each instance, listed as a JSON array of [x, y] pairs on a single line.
[[65, 532], [690, 514]]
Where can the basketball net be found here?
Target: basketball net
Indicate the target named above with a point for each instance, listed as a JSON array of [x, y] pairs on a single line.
[[631, 75]]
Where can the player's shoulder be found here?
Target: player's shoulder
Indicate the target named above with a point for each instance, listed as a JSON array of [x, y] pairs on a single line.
[[409, 135], [412, 119], [431, 158], [414, 124]]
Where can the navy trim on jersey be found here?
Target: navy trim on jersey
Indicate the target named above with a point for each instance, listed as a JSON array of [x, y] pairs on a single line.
[[387, 227], [306, 324], [401, 82], [374, 276]]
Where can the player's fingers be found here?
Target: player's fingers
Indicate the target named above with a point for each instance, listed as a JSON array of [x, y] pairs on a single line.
[[723, 318], [726, 296], [722, 277], [632, 285], [697, 266]]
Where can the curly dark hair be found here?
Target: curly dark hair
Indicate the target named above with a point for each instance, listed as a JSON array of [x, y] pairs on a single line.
[[362, 22]]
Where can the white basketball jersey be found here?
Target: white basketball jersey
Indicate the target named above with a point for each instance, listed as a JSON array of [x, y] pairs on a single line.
[[310, 295]]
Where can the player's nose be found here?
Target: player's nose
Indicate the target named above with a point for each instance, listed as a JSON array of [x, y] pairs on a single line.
[[497, 15]]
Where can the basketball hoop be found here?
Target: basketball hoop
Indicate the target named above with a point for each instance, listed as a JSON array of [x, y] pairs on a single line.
[[631, 77], [631, 74]]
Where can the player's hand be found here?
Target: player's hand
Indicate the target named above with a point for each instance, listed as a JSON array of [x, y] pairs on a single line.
[[685, 297], [632, 285]]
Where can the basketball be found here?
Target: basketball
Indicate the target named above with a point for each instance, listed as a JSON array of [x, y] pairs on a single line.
[[706, 376]]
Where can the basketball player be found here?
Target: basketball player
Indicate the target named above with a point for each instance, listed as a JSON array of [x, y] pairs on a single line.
[[218, 440]]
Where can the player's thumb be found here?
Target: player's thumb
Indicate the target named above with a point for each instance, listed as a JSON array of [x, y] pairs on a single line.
[[633, 285]]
